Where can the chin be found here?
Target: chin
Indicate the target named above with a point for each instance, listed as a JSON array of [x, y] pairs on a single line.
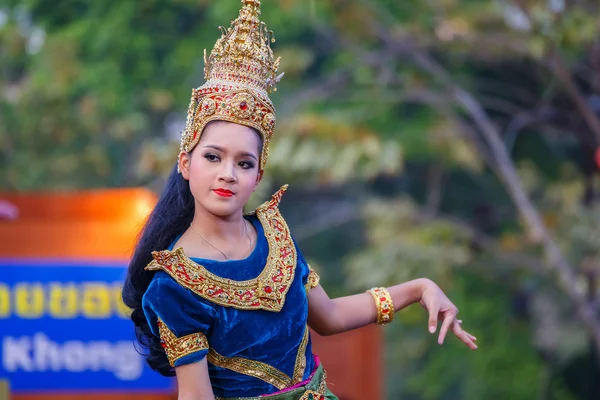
[[223, 210]]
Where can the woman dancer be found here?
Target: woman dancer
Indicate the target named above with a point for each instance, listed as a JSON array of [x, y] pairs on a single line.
[[224, 299]]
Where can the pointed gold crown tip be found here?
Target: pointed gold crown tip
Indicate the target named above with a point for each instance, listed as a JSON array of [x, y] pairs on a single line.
[[243, 54]]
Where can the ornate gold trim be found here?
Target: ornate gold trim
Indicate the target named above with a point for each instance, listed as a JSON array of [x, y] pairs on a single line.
[[175, 347], [263, 371], [256, 369], [318, 394], [313, 279], [266, 292], [300, 365]]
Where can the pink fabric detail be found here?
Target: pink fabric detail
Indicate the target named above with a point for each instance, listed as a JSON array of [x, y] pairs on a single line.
[[304, 382]]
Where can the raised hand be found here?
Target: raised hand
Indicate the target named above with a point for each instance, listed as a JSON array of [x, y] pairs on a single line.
[[441, 308]]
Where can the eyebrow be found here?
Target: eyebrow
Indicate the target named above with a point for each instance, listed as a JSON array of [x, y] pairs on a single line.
[[221, 149]]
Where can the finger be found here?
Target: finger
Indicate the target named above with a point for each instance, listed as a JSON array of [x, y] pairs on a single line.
[[470, 336], [468, 341], [433, 318], [458, 329], [449, 320], [465, 337]]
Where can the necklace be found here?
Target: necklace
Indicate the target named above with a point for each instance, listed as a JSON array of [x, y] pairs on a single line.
[[216, 248]]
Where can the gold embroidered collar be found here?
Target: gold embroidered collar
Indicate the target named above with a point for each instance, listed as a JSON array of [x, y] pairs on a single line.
[[266, 292]]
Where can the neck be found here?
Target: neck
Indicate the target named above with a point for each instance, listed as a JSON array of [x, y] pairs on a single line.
[[219, 228]]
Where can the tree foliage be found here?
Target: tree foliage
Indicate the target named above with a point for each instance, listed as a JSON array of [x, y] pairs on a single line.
[[384, 121]]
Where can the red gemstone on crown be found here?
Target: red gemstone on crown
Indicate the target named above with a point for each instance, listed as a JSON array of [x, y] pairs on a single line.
[[243, 105], [268, 289]]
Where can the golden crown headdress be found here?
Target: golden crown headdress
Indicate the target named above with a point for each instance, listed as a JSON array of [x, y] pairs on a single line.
[[240, 73]]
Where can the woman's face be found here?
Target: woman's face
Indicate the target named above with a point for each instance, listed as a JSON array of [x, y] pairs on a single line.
[[223, 168]]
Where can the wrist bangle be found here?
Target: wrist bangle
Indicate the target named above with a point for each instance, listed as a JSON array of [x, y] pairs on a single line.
[[384, 304]]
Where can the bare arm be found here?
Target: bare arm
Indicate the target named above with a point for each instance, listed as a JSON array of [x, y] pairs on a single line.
[[193, 382], [332, 316]]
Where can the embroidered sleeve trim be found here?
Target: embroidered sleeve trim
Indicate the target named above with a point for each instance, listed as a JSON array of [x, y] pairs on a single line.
[[312, 280], [175, 347], [267, 292]]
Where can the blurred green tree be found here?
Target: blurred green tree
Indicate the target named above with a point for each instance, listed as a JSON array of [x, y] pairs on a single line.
[[452, 139]]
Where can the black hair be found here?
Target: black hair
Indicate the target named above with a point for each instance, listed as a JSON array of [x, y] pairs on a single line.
[[171, 216]]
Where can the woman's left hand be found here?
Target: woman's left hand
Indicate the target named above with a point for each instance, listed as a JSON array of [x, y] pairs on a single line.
[[441, 308]]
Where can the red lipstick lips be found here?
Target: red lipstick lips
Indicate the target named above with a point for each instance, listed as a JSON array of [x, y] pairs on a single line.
[[223, 192]]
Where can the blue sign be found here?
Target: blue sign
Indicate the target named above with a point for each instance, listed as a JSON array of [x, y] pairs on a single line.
[[63, 326]]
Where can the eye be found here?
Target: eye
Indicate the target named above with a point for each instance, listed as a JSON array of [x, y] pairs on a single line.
[[246, 164], [211, 157]]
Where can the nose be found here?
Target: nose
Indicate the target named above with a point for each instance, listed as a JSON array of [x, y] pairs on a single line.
[[227, 173]]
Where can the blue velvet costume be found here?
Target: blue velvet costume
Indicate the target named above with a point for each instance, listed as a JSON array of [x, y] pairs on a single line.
[[267, 325]]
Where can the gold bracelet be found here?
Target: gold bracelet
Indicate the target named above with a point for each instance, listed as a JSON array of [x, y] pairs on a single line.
[[384, 303]]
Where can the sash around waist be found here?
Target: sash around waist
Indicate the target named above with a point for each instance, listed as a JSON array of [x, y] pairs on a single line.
[[314, 388]]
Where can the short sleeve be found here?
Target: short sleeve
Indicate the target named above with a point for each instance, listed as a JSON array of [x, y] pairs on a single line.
[[310, 279], [179, 318]]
